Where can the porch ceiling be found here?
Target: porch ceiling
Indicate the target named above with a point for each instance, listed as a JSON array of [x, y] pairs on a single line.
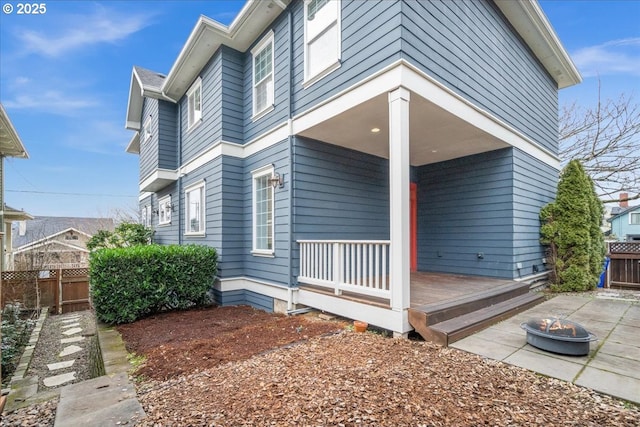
[[435, 134]]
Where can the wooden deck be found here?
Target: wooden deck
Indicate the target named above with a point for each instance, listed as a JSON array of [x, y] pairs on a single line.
[[447, 307]]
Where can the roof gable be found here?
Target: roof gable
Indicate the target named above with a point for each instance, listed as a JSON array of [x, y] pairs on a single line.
[[43, 228], [625, 212]]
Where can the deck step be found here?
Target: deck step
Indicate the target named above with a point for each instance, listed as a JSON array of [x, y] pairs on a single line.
[[445, 310], [454, 329]]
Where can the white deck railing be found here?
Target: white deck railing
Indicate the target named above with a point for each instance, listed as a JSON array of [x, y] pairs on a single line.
[[360, 266]]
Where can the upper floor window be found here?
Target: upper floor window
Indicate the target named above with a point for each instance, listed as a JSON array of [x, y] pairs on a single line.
[[164, 211], [146, 130], [322, 44], [145, 216], [263, 76], [634, 218], [195, 209], [263, 211], [194, 101]]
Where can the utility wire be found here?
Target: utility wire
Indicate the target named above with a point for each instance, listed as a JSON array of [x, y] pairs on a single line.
[[68, 194]]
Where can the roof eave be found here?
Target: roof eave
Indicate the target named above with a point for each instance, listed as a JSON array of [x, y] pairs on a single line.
[[208, 35], [133, 146], [15, 146], [531, 23]]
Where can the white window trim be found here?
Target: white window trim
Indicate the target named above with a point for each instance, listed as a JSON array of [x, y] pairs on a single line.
[[311, 79], [146, 216], [266, 40], [197, 119], [632, 214], [162, 206], [147, 129], [255, 174], [203, 209]]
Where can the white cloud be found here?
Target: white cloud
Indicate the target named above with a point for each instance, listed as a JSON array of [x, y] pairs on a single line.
[[613, 57], [103, 26], [51, 101], [99, 136]]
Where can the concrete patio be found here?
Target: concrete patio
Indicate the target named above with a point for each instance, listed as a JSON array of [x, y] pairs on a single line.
[[613, 363]]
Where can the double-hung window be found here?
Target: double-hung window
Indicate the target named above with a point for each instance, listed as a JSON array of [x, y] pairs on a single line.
[[164, 211], [263, 76], [322, 38], [634, 218], [263, 211], [145, 216], [195, 209], [194, 103]]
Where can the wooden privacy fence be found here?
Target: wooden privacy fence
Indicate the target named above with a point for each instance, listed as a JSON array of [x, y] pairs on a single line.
[[63, 290], [624, 268]]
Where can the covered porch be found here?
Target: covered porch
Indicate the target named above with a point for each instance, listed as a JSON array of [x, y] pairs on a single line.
[[405, 118]]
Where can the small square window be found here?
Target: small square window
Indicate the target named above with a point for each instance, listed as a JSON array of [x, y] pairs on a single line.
[[194, 101], [147, 130], [634, 218]]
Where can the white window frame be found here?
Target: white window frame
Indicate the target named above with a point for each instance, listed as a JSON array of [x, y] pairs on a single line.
[[164, 210], [145, 216], [194, 116], [634, 214], [312, 76], [199, 186], [147, 130], [259, 48], [255, 176]]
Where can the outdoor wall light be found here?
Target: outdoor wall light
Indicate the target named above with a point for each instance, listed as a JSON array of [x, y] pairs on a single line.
[[277, 180]]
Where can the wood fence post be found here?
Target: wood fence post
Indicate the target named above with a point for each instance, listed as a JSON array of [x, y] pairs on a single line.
[[60, 298]]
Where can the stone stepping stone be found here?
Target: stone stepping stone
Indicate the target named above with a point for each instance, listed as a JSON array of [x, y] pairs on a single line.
[[70, 340], [71, 319], [72, 331], [59, 379], [60, 365], [71, 349], [71, 325]]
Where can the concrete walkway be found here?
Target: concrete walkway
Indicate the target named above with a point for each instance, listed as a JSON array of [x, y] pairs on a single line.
[[613, 363]]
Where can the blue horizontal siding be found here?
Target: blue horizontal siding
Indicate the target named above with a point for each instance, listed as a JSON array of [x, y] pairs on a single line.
[[149, 148], [167, 135], [465, 207], [471, 48]]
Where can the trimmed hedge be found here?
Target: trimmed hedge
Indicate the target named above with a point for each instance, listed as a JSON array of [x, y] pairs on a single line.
[[130, 283]]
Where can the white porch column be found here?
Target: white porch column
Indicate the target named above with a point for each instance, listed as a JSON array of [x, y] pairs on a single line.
[[399, 252]]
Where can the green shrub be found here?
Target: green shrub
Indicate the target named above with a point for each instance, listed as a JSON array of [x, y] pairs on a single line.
[[130, 283], [571, 231], [124, 235]]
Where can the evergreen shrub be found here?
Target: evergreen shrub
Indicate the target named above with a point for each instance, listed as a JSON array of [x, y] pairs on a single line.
[[570, 228], [130, 283]]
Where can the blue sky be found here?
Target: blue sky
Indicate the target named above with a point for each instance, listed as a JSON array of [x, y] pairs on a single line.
[[65, 74]]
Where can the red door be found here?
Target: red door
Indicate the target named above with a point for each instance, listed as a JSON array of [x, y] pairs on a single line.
[[413, 226]]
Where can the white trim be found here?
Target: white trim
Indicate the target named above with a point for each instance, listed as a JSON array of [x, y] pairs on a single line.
[[146, 130], [162, 204], [261, 287], [143, 195], [396, 321], [133, 146], [160, 177], [263, 171], [262, 45], [34, 246], [200, 185], [192, 123]]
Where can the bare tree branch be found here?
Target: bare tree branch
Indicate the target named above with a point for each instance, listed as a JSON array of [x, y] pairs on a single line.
[[606, 139]]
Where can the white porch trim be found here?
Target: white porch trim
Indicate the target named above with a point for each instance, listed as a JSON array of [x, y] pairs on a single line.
[[262, 287], [399, 254], [374, 315]]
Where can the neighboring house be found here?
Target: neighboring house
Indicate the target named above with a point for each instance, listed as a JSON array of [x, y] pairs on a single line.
[[625, 224], [49, 242], [10, 146], [344, 144]]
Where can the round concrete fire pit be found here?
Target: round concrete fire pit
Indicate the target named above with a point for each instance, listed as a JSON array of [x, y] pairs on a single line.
[[558, 336]]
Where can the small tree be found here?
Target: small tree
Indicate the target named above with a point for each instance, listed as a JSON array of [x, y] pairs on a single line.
[[126, 234], [571, 230]]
